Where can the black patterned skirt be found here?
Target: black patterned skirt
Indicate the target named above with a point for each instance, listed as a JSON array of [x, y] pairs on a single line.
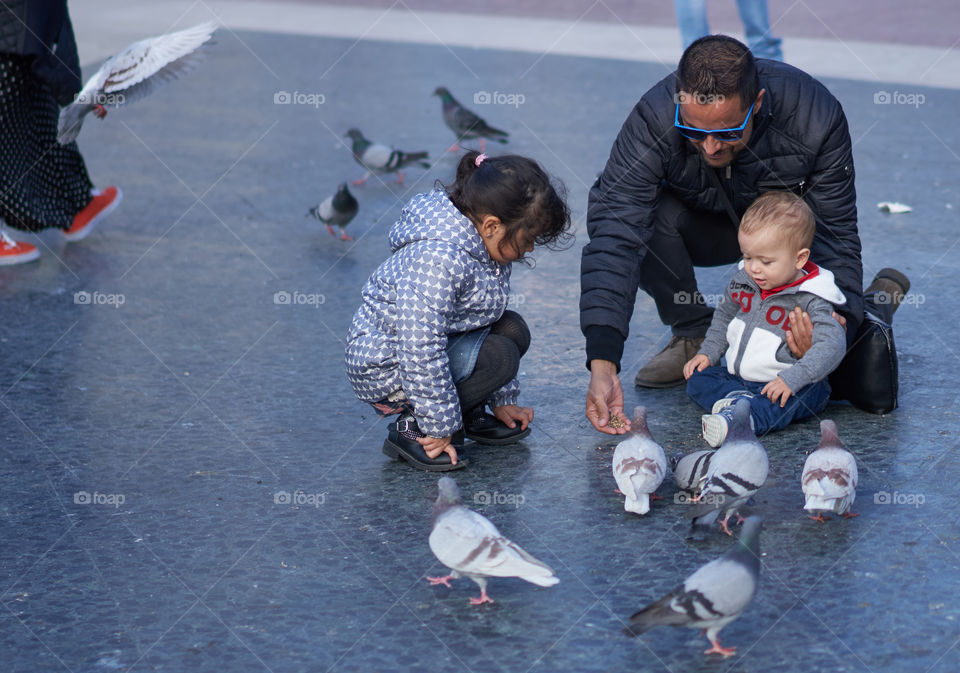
[[42, 183]]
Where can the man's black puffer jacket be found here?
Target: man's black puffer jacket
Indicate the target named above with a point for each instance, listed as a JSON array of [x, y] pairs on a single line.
[[800, 143]]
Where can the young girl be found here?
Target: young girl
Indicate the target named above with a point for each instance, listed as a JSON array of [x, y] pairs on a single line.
[[433, 340]]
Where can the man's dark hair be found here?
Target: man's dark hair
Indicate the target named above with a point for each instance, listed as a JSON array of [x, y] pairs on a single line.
[[718, 65]]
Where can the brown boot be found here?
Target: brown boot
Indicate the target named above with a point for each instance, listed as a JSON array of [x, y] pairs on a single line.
[[665, 369], [890, 287]]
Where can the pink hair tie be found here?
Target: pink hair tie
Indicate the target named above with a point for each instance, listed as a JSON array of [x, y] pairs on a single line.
[[479, 159]]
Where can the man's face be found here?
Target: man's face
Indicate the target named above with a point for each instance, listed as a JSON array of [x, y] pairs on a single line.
[[725, 113]]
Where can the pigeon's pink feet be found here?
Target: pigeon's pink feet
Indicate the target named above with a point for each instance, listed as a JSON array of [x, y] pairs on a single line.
[[345, 237], [331, 231], [740, 519], [850, 515], [819, 518], [361, 180], [399, 180], [445, 580], [454, 148], [618, 491], [484, 598], [723, 526], [99, 111], [719, 649], [654, 496]]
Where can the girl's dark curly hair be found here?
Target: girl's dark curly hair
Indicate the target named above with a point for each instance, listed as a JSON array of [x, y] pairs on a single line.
[[518, 192]]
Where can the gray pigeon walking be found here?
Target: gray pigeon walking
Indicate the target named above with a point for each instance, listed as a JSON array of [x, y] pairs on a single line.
[[713, 596], [690, 471], [377, 158], [470, 545], [737, 470], [829, 478], [337, 210], [132, 74], [465, 124], [639, 465]]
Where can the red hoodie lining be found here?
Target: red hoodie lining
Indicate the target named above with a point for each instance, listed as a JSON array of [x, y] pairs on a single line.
[[810, 270]]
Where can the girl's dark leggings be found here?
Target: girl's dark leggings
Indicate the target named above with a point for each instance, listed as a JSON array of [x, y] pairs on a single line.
[[497, 362]]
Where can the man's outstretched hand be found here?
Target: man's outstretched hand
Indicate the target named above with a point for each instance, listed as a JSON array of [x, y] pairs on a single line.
[[800, 334], [605, 398]]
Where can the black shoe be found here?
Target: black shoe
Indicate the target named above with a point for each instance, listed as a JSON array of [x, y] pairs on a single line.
[[401, 443], [486, 429]]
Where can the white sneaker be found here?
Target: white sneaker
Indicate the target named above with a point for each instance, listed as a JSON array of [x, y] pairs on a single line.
[[730, 400]]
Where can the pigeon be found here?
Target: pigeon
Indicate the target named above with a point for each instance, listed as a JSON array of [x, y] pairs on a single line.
[[690, 471], [737, 471], [469, 544], [638, 465], [378, 158], [465, 124], [713, 596], [132, 74], [829, 478], [337, 210]]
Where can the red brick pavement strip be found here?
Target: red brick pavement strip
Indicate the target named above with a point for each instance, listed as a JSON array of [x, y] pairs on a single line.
[[931, 23]]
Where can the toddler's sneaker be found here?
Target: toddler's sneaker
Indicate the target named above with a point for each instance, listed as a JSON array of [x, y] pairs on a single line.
[[15, 252], [716, 425], [401, 443], [101, 205], [730, 400]]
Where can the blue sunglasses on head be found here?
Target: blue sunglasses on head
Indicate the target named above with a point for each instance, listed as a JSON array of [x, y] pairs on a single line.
[[723, 135]]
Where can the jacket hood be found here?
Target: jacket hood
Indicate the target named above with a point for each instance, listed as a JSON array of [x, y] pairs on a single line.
[[431, 216], [818, 281]]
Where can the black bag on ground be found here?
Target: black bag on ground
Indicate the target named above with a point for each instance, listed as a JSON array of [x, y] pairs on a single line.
[[868, 377]]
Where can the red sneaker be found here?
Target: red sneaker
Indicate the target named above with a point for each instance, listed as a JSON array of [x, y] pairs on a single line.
[[16, 252], [100, 205]]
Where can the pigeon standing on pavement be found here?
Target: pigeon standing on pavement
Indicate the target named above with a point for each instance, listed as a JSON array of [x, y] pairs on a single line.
[[638, 465], [470, 545], [829, 478], [337, 210], [132, 74], [713, 596], [465, 124], [377, 158], [690, 471], [737, 471]]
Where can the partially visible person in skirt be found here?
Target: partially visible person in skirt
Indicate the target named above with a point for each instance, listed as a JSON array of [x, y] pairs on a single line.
[[433, 340], [42, 184]]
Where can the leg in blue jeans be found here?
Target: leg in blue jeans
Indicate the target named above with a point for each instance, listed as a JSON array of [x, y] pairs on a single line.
[[769, 416], [756, 25], [691, 19], [714, 383]]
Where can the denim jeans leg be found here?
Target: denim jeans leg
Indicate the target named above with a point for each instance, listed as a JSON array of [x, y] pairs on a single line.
[[691, 19], [769, 416], [711, 384], [756, 25]]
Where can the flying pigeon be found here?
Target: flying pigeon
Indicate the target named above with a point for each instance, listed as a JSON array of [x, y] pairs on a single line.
[[638, 465], [737, 471], [338, 210], [713, 596], [132, 74], [465, 124], [469, 544], [829, 478], [378, 158], [690, 471]]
